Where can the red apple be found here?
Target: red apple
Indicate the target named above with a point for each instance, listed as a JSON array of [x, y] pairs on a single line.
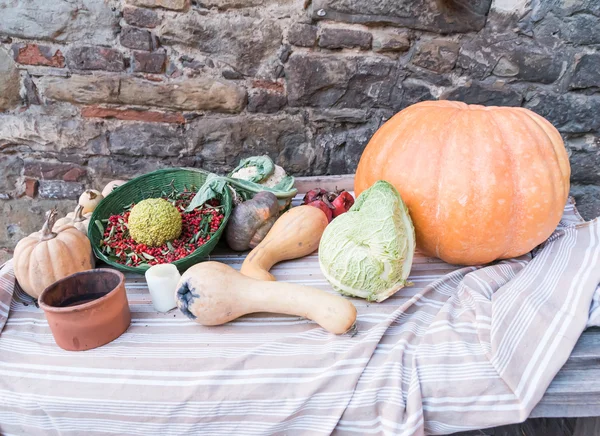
[[321, 205], [342, 203]]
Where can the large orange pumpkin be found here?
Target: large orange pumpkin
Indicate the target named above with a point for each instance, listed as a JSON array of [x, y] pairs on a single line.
[[481, 183]]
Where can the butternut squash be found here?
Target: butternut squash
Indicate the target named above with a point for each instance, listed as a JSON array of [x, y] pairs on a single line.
[[295, 234], [212, 293]]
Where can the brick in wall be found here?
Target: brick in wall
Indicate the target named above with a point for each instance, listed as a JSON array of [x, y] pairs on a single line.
[[34, 54], [141, 17], [138, 39], [149, 62], [95, 58]]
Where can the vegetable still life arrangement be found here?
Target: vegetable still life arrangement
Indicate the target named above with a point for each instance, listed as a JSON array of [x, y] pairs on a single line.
[[368, 251], [51, 254], [481, 183], [212, 293], [426, 180]]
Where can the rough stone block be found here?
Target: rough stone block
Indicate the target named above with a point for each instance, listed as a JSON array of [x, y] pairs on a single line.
[[413, 91], [476, 93], [587, 72], [31, 92], [302, 35], [176, 5], [243, 42], [507, 56], [237, 4], [60, 189], [438, 55], [82, 89], [23, 216], [107, 168], [149, 62], [132, 115], [192, 94], [11, 167], [51, 134], [222, 142], [334, 38], [148, 139], [34, 54], [588, 200], [584, 155], [582, 28], [569, 113], [138, 39], [92, 21], [340, 81], [265, 101], [95, 58], [10, 82], [141, 17], [438, 17], [385, 42], [342, 145]]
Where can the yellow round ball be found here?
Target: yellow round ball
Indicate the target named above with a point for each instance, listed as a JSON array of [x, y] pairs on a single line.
[[154, 221]]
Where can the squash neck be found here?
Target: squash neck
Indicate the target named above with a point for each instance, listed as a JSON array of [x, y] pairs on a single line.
[[46, 233], [78, 214]]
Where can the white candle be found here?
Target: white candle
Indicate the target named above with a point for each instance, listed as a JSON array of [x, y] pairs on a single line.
[[162, 281]]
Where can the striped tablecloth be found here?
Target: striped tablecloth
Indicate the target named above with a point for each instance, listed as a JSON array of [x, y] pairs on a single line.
[[463, 348]]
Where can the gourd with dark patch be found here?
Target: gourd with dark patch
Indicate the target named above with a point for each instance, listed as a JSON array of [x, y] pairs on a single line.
[[251, 221]]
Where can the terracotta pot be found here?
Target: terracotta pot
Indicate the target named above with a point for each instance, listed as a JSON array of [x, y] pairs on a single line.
[[87, 309]]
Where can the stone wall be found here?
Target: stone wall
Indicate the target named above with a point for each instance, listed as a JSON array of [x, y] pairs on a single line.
[[92, 90]]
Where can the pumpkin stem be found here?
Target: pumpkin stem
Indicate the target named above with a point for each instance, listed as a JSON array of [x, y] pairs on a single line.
[[47, 232], [78, 214], [91, 194]]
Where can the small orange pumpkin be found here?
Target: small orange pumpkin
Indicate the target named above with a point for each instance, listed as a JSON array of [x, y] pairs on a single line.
[[481, 183], [51, 254]]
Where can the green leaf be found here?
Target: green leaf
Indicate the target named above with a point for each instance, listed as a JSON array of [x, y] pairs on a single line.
[[171, 249], [148, 256], [112, 232], [196, 237], [100, 226], [263, 168], [214, 187]]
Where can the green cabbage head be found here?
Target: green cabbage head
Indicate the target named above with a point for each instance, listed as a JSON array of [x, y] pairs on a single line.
[[368, 251]]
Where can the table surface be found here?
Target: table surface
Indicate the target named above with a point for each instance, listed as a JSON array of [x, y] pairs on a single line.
[[575, 391]]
